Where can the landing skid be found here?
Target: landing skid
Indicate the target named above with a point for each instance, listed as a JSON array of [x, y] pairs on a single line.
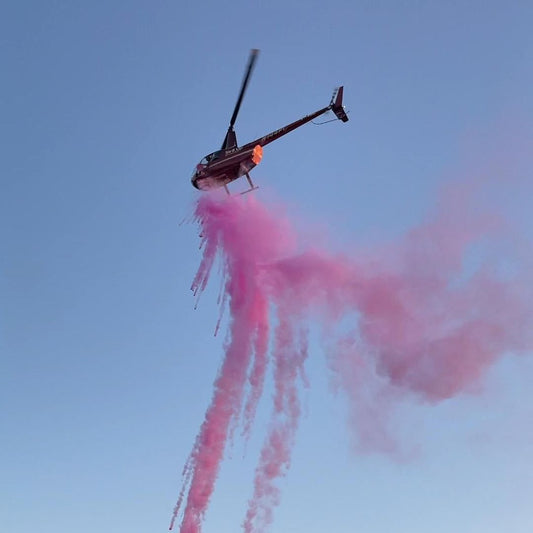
[[250, 182]]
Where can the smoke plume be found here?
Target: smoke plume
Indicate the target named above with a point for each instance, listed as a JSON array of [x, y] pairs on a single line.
[[423, 317]]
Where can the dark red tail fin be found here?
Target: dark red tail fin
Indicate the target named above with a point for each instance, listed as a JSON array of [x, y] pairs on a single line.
[[337, 106]]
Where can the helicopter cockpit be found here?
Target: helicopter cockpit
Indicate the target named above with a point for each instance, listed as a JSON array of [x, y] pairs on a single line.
[[211, 157], [206, 161]]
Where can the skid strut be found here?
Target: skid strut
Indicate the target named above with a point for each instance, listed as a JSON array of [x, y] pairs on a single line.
[[251, 183]]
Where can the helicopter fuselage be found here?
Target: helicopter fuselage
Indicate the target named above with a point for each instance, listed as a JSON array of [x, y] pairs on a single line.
[[224, 166]]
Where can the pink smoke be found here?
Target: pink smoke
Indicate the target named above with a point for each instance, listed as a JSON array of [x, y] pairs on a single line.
[[425, 316]]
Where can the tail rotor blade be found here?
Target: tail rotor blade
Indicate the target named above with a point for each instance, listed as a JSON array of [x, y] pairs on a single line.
[[251, 61]]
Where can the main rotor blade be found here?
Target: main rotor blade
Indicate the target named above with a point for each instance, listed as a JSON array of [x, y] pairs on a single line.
[[251, 61]]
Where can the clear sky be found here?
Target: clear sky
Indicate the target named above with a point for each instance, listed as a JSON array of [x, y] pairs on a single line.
[[106, 369]]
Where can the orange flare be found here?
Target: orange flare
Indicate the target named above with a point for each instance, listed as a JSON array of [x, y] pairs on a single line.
[[257, 154]]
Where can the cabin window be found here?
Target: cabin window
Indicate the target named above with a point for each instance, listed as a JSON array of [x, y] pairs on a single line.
[[211, 157]]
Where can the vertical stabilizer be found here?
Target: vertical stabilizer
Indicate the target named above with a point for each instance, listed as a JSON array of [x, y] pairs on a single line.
[[337, 106]]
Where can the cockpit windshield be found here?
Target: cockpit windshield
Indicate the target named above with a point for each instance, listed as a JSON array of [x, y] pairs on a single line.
[[210, 158]]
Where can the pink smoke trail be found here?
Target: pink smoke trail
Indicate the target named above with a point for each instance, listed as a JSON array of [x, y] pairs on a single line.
[[289, 352], [225, 228], [421, 322]]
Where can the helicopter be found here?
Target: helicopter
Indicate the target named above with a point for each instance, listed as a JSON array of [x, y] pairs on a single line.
[[232, 161]]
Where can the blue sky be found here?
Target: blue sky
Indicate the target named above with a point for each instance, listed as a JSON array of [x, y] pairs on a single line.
[[107, 369]]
